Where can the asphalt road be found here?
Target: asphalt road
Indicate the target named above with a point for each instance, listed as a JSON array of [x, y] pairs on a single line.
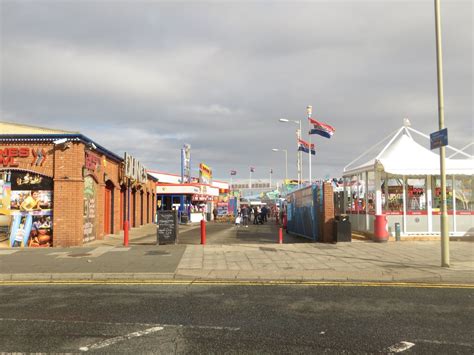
[[235, 319]]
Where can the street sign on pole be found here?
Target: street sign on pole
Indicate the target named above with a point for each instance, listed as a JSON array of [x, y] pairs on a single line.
[[439, 139]]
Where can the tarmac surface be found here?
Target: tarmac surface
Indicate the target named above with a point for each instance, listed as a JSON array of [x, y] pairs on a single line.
[[239, 254]]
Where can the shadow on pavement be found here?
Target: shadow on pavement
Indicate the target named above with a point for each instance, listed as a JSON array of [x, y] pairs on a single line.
[[225, 234]]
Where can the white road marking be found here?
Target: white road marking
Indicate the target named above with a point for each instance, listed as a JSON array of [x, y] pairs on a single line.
[[401, 346], [112, 341], [8, 251]]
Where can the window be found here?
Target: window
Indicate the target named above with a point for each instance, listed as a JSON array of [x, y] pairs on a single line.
[[393, 189], [437, 193], [416, 196], [371, 191], [463, 187]]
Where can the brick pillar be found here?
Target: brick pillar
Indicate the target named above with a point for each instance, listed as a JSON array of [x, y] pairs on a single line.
[[117, 226], [328, 213], [100, 208], [68, 196]]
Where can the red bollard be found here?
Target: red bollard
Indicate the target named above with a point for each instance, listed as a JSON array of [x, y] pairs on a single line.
[[280, 239], [125, 234], [203, 231]]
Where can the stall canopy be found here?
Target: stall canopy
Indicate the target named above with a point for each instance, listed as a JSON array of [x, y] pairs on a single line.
[[404, 156]]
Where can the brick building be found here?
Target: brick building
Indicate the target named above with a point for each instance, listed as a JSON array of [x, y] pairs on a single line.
[[62, 189]]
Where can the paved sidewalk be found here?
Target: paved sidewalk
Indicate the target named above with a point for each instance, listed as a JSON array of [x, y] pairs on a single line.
[[357, 261], [252, 255]]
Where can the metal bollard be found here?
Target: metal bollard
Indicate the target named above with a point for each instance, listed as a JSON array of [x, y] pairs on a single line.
[[280, 237], [397, 232], [203, 231], [125, 234]]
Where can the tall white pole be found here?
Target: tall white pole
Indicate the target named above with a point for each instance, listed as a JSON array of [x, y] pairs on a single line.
[[309, 110], [270, 178], [286, 164], [250, 181], [442, 150]]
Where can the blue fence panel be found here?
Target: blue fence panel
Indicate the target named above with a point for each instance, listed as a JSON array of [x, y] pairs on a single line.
[[303, 211]]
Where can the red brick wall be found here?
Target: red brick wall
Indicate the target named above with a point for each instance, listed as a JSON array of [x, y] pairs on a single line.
[[68, 196], [328, 213], [66, 165]]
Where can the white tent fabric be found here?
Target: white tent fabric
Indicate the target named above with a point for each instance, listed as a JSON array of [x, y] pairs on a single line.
[[404, 156]]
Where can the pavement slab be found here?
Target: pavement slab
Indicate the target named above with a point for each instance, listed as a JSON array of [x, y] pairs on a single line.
[[236, 255]]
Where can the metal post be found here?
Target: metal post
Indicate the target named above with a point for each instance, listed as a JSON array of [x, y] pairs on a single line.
[[286, 163], [309, 110], [442, 150], [298, 154]]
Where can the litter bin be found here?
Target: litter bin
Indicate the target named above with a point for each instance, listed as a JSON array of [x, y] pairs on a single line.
[[184, 218], [342, 229], [380, 228]]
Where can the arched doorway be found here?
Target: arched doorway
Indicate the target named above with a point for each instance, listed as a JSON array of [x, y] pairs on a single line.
[[134, 208], [109, 208], [141, 208]]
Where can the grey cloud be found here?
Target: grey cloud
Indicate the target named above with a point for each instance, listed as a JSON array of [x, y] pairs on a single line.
[[218, 76]]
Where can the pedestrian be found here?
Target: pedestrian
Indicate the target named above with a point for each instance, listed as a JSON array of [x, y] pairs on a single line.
[[214, 212], [264, 214], [245, 216], [238, 219], [255, 215]]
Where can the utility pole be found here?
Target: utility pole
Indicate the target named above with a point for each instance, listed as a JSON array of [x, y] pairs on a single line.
[[442, 150]]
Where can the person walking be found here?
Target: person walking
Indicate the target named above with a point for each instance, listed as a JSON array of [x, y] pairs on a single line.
[[255, 215], [245, 216], [214, 212]]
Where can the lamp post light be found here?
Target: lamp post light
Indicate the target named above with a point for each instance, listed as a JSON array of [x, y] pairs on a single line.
[[286, 160], [299, 157]]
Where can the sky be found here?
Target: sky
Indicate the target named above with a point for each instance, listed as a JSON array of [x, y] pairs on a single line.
[[147, 77]]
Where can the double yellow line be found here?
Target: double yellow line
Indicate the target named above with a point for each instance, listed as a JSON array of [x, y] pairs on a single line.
[[239, 283]]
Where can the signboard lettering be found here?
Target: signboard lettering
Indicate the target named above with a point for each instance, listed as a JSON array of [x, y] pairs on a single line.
[[134, 169], [439, 139], [167, 232]]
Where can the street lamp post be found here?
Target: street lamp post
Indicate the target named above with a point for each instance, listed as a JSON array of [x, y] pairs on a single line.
[[442, 150], [286, 160], [299, 158]]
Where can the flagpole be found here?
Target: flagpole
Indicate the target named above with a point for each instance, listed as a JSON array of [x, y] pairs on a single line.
[[250, 182], [309, 110], [270, 178]]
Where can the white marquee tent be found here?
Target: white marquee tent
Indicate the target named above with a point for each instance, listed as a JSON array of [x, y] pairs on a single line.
[[407, 172]]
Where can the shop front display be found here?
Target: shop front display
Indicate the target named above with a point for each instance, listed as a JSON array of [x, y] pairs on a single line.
[[62, 189], [26, 208]]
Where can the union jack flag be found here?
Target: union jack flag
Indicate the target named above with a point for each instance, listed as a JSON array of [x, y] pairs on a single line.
[[233, 172], [252, 169]]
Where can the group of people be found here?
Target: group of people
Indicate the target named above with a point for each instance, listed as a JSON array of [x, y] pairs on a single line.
[[244, 217]]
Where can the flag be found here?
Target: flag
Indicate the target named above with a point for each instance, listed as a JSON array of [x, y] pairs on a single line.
[[321, 128], [252, 169], [233, 172], [271, 171], [304, 147]]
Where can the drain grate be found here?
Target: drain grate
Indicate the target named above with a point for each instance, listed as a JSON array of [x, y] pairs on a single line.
[[267, 249], [78, 255]]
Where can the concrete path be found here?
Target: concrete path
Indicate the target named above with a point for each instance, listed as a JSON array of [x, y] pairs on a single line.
[[242, 254]]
